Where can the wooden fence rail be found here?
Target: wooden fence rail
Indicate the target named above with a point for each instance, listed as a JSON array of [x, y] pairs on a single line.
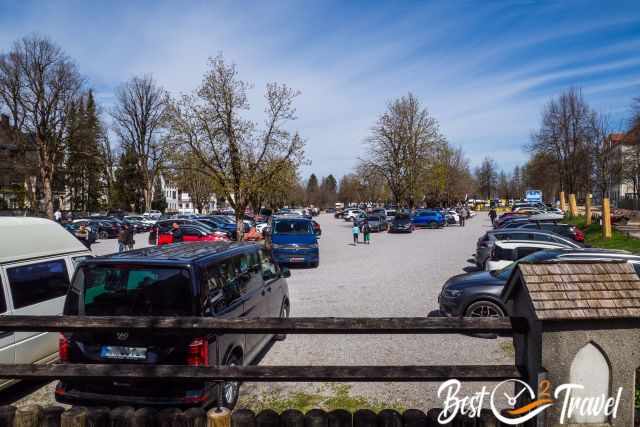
[[294, 325], [88, 372], [124, 416]]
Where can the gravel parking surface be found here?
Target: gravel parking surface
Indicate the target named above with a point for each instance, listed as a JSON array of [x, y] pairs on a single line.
[[396, 275]]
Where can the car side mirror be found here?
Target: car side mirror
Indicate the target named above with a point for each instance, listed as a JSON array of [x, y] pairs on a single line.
[[285, 272]]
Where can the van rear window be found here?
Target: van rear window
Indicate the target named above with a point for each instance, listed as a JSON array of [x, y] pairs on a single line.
[[122, 290]]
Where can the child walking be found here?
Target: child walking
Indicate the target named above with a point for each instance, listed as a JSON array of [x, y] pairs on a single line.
[[355, 231], [366, 230]]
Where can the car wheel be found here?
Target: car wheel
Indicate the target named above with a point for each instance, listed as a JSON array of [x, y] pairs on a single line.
[[284, 314], [231, 389], [103, 235], [433, 224], [484, 309]]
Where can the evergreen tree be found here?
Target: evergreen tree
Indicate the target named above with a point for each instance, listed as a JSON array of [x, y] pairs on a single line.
[[127, 188], [312, 190]]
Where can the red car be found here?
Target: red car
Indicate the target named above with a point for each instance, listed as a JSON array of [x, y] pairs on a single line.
[[316, 228], [192, 234]]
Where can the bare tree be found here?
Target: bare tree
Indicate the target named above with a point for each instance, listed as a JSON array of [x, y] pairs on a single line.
[[139, 119], [401, 145], [487, 178], [566, 136], [38, 86], [607, 156], [188, 175], [240, 156]]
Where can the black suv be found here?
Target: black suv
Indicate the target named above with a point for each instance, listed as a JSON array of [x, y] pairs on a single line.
[[227, 280]]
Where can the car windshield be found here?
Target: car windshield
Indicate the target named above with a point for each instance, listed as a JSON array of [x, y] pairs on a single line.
[[373, 218], [402, 216], [504, 273], [125, 290], [292, 227]]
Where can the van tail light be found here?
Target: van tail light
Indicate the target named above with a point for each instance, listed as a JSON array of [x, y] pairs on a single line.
[[63, 348], [198, 352]]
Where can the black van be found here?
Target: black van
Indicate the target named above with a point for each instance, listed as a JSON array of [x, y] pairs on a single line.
[[220, 279]]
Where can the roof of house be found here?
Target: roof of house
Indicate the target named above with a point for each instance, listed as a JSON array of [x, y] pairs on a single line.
[[620, 138], [580, 289]]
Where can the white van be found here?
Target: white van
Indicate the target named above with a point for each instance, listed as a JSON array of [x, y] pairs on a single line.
[[37, 260]]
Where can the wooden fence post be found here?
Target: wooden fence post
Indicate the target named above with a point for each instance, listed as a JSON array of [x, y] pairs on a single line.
[[365, 418], [606, 219], [414, 418], [221, 417], [340, 418], [122, 416], [268, 418], [389, 418], [98, 416], [587, 208], [7, 414], [196, 417], [572, 205], [51, 416], [316, 418], [563, 204], [75, 417], [145, 417], [293, 418], [28, 416]]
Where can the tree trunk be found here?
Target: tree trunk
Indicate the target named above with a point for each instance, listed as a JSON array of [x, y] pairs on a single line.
[[240, 223], [48, 194], [148, 195]]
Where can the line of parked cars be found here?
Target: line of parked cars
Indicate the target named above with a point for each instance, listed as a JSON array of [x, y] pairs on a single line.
[[525, 234], [402, 221]]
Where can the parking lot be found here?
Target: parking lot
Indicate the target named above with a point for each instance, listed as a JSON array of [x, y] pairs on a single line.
[[396, 275]]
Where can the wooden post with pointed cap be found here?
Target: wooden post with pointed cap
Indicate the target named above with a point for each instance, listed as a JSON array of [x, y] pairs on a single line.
[[606, 219], [587, 210], [573, 207], [563, 203]]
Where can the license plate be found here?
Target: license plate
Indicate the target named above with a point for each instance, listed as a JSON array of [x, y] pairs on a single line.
[[296, 259], [123, 353]]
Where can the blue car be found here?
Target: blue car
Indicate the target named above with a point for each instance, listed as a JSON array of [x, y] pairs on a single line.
[[294, 242], [428, 218]]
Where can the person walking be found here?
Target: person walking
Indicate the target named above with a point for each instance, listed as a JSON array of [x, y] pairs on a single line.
[[366, 231], [355, 230], [57, 215], [176, 232], [493, 214], [130, 243], [462, 216], [122, 238]]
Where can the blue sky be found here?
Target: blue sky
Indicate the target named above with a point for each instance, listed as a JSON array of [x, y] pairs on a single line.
[[484, 69]]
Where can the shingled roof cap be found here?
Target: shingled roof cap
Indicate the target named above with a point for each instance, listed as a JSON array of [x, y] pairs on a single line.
[[579, 289]]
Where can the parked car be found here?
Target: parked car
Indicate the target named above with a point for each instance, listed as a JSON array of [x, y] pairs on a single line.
[[401, 223], [486, 242], [452, 217], [294, 241], [428, 218], [220, 280], [478, 294], [566, 230], [350, 213], [191, 233], [376, 222], [504, 252], [35, 272]]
